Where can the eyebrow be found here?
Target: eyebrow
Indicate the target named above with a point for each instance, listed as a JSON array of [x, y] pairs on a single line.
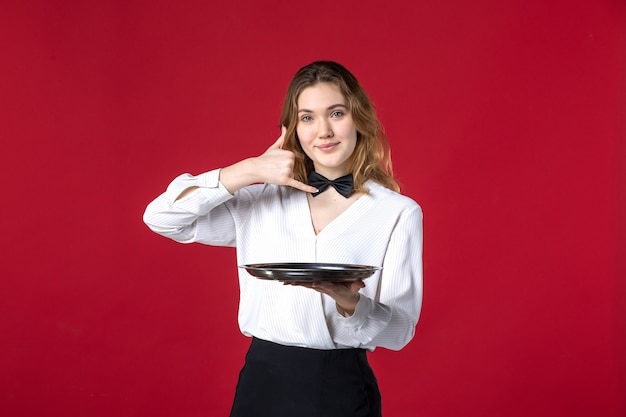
[[334, 106]]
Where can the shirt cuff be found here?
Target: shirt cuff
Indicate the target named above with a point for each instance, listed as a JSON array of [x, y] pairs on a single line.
[[209, 179], [362, 310], [209, 194]]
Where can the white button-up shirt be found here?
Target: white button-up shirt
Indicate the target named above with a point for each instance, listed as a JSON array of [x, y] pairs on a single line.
[[269, 223]]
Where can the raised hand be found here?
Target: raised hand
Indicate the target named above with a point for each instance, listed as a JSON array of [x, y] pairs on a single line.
[[274, 166]]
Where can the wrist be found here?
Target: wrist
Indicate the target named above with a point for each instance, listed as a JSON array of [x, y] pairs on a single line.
[[347, 308], [238, 175]]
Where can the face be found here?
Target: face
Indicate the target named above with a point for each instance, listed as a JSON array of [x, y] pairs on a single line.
[[325, 128]]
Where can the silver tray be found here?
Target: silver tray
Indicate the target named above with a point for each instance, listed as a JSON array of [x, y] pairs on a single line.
[[310, 272]]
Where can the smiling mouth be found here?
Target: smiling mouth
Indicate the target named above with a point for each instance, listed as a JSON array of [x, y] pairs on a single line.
[[328, 146]]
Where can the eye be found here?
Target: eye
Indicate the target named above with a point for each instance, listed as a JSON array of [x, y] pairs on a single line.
[[306, 118], [336, 114]]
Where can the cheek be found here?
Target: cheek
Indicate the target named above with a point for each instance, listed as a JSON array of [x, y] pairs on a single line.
[[349, 129], [304, 134]]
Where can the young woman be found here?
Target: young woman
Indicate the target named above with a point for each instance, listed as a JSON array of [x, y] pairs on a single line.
[[309, 340]]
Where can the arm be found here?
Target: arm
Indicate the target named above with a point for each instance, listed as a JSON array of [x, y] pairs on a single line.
[[190, 203], [275, 166], [389, 319]]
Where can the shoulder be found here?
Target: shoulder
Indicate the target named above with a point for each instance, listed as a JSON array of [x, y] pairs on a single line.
[[391, 198]]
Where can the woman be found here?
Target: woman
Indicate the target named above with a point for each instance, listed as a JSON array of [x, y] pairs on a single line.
[[307, 355]]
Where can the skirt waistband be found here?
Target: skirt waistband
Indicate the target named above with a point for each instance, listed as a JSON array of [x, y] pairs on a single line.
[[304, 351]]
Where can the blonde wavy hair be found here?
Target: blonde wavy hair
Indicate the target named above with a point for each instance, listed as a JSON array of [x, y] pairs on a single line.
[[371, 159]]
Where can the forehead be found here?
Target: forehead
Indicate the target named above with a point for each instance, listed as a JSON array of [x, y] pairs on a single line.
[[320, 96]]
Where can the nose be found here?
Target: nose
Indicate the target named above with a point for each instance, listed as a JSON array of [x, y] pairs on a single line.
[[325, 130]]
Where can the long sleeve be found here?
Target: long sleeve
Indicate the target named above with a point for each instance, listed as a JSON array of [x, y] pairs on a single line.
[[200, 216], [270, 223], [387, 315]]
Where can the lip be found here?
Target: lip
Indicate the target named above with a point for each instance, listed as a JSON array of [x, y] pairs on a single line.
[[327, 147]]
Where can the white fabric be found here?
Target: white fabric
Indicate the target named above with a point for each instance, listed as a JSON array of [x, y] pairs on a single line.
[[269, 223]]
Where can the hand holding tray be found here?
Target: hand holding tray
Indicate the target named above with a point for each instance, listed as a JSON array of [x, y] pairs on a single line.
[[310, 272]]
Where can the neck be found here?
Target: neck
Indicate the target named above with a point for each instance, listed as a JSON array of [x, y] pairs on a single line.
[[331, 174]]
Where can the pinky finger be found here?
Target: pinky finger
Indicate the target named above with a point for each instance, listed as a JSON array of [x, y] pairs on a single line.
[[302, 186]]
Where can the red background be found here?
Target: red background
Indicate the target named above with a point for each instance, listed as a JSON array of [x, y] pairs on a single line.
[[507, 125]]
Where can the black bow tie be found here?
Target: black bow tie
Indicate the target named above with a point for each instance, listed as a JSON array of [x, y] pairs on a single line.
[[343, 185]]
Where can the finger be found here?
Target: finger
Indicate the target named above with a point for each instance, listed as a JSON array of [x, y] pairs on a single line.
[[279, 143], [326, 287], [299, 284], [301, 186], [281, 139], [338, 287], [357, 285]]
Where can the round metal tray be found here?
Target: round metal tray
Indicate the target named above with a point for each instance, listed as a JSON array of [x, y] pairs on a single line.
[[310, 272]]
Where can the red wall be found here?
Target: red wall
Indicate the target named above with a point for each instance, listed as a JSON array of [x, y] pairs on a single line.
[[507, 124]]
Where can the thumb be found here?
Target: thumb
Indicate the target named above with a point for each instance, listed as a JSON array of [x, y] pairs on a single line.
[[281, 139]]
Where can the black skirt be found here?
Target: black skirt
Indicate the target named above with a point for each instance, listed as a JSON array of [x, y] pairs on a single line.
[[285, 381]]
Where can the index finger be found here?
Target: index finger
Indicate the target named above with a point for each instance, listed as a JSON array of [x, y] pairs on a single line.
[[301, 186]]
